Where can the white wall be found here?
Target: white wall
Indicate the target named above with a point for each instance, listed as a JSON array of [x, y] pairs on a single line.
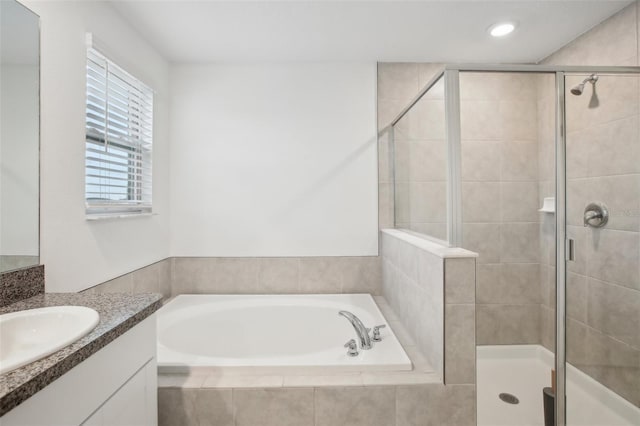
[[273, 160], [79, 254], [19, 160]]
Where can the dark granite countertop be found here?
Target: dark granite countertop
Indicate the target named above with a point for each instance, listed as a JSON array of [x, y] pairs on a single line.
[[119, 312]]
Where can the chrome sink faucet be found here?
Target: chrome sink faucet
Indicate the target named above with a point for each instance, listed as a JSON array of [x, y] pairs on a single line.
[[361, 330]]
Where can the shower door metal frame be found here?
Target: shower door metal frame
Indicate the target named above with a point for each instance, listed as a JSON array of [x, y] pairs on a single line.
[[451, 74]]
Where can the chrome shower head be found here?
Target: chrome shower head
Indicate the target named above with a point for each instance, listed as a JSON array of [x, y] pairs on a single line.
[[578, 89]]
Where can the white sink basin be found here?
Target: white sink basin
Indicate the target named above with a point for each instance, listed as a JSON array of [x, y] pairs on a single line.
[[27, 336]]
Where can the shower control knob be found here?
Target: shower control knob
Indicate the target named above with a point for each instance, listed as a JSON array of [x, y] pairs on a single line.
[[376, 333], [353, 348], [596, 215]]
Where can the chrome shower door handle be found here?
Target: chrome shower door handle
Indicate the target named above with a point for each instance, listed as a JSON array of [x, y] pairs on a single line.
[[596, 215]]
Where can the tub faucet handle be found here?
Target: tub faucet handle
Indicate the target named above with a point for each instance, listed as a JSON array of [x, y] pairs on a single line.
[[376, 333], [353, 347]]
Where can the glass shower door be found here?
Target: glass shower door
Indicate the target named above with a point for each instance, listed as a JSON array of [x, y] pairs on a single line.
[[603, 231]]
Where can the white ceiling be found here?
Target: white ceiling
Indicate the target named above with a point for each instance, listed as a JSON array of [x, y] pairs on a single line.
[[430, 31]]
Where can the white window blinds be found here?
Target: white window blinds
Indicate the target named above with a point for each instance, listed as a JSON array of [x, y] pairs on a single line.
[[119, 139]]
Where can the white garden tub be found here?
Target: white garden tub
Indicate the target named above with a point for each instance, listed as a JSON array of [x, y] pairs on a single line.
[[271, 333]]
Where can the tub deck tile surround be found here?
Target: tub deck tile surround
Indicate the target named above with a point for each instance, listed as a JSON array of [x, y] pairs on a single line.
[[405, 405], [118, 314], [413, 398]]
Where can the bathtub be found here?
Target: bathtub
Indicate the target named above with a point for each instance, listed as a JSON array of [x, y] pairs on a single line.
[[280, 334]]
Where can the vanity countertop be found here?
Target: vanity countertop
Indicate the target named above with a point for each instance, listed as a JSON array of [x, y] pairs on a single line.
[[119, 312]]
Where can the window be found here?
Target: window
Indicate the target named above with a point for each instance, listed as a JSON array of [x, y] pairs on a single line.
[[119, 139]]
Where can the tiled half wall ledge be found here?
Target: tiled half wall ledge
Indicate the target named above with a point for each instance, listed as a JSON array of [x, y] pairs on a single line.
[[432, 288]]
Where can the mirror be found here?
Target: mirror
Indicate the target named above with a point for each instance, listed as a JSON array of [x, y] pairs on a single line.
[[19, 136]]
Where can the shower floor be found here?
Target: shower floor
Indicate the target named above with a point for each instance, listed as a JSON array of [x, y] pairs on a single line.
[[523, 370]]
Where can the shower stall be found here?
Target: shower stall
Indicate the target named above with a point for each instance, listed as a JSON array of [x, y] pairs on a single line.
[[537, 169]]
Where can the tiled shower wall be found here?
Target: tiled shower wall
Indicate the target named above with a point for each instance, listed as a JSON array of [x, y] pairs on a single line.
[[500, 202], [420, 157], [398, 84], [603, 164], [500, 184]]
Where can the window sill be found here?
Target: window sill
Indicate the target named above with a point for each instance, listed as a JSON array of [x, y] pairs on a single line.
[[111, 216]]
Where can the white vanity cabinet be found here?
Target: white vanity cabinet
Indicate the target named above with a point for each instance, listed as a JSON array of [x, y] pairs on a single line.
[[115, 386]]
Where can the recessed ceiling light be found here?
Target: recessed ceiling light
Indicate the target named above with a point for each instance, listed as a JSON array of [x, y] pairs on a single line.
[[502, 29]]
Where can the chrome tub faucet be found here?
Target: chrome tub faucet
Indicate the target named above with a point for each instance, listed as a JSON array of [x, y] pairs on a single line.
[[361, 330]]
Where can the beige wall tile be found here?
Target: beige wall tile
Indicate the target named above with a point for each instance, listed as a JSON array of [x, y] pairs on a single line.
[[402, 208], [481, 202], [191, 274], [320, 275], [517, 118], [165, 276], [433, 230], [577, 199], [519, 160], [428, 201], [577, 297], [430, 276], [514, 283], [480, 161], [278, 275], [233, 276], [460, 280], [385, 149], [460, 344], [146, 280], [273, 407], [613, 256], [481, 86], [547, 285], [519, 201], [548, 328], [614, 310], [480, 120], [612, 147], [614, 364], [385, 206], [355, 406], [621, 195], [428, 160], [507, 324], [197, 407], [436, 405], [401, 157], [362, 275], [519, 243], [484, 239], [407, 260], [398, 81]]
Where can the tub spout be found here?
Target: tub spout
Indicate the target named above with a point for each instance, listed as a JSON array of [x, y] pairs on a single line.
[[361, 330]]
